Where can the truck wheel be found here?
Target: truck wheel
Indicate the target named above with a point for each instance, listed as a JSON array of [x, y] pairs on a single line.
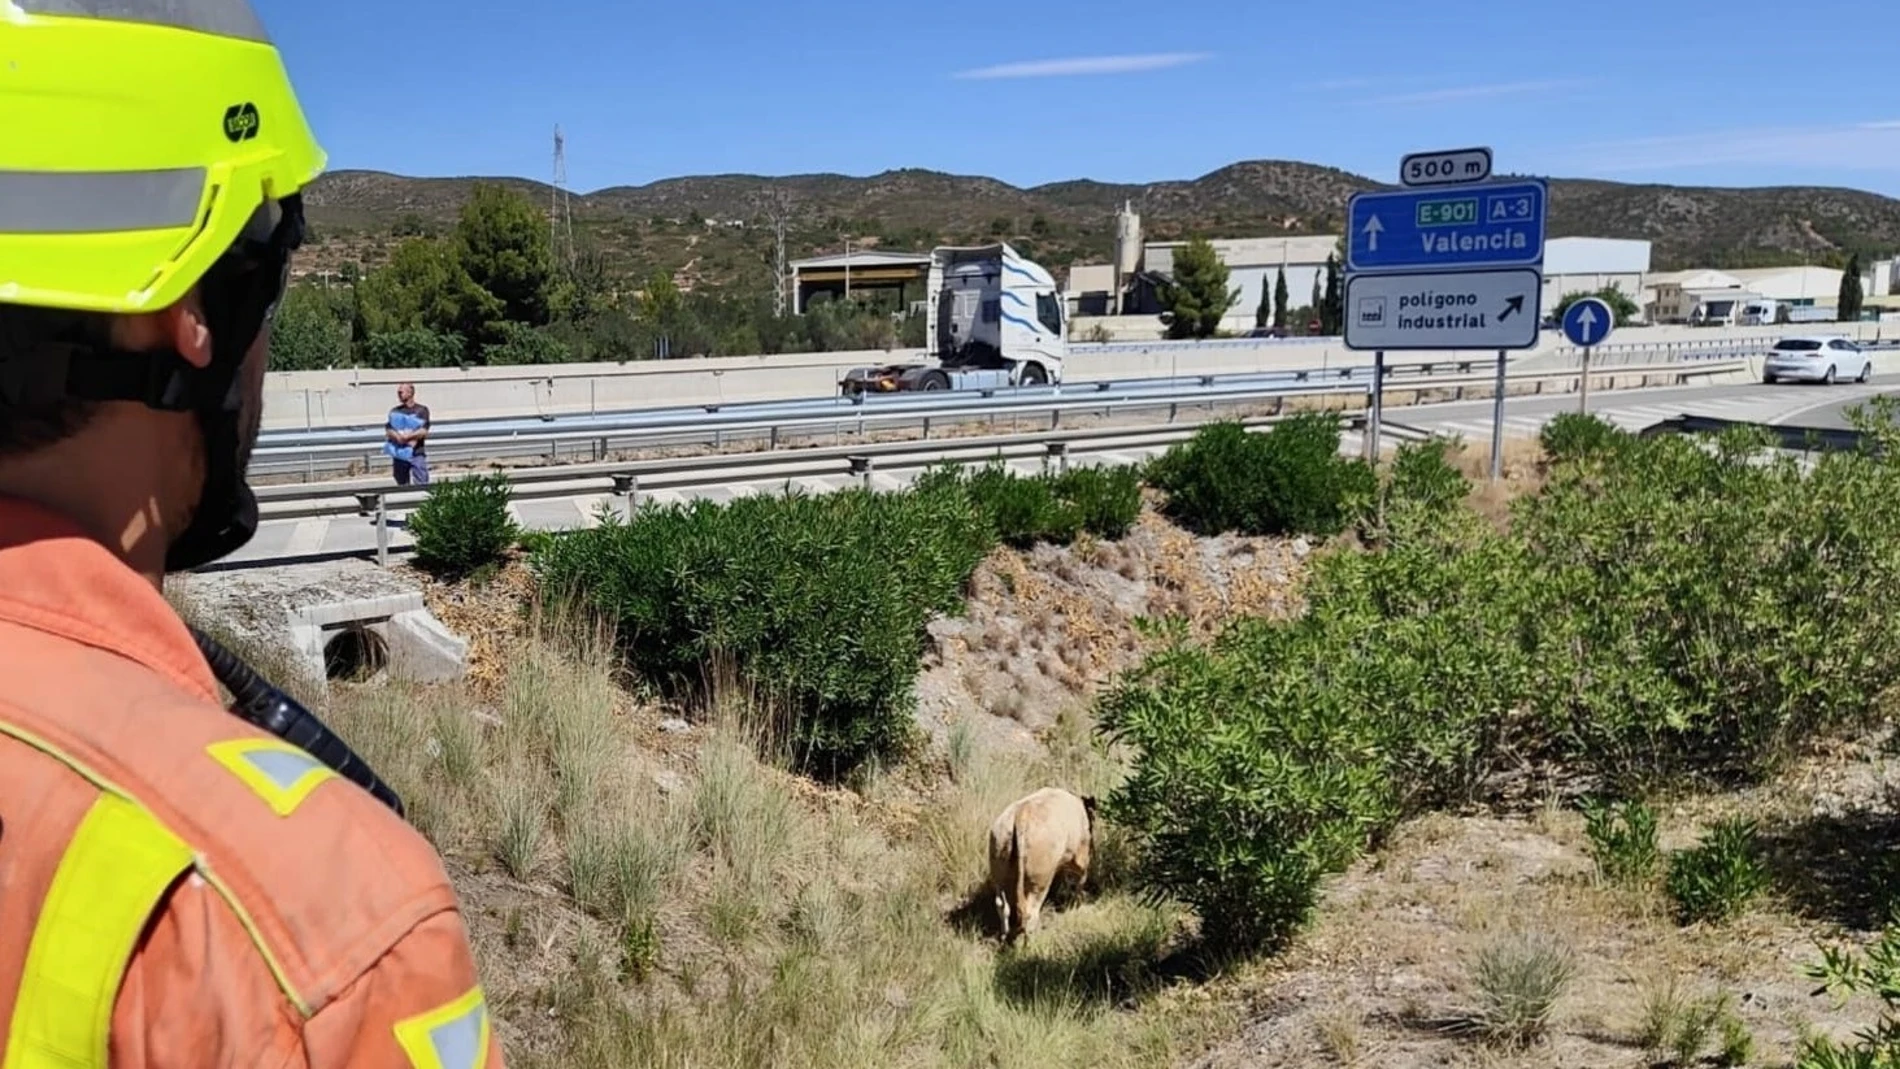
[[934, 380], [1033, 375]]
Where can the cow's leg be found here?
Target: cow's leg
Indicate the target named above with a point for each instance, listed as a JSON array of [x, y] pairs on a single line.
[[1031, 906]]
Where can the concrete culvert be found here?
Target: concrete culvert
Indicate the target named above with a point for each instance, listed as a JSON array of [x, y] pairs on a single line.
[[355, 653]]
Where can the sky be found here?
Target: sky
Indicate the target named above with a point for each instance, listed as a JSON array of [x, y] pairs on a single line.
[[1744, 93]]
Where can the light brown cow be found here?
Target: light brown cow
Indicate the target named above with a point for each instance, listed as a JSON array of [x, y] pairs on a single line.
[[1038, 838]]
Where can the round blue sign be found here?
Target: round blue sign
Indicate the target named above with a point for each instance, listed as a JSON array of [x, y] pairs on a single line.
[[1588, 321]]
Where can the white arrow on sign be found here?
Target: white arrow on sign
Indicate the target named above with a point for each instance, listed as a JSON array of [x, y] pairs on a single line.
[[1373, 229], [1588, 317]]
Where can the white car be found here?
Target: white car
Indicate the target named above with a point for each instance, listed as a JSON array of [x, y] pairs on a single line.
[[1816, 358]]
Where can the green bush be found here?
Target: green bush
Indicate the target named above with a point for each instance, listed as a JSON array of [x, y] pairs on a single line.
[[1022, 511], [1622, 841], [1845, 973], [817, 602], [1577, 435], [1697, 610], [1716, 880], [1289, 480], [1276, 755], [1243, 799], [1109, 499], [463, 524], [1422, 477]]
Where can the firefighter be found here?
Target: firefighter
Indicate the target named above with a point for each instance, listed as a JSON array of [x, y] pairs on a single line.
[[178, 887]]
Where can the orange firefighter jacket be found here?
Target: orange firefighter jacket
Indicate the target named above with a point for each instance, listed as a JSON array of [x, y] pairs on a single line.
[[179, 888]]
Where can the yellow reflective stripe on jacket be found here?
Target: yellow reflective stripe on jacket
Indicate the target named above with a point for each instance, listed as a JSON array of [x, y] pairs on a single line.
[[107, 886]]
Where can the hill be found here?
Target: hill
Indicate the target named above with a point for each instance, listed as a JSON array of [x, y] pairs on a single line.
[[718, 227]]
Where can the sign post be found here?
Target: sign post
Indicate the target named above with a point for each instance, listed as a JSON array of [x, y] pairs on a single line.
[[1378, 406], [1497, 423], [1451, 261], [1586, 323]]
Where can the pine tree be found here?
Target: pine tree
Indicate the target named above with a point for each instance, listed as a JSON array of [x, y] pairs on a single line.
[[1847, 307], [1279, 299], [1332, 307], [1197, 298], [1263, 312]]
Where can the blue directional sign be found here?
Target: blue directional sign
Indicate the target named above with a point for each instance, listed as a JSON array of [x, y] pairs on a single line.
[[1496, 224], [1588, 321]]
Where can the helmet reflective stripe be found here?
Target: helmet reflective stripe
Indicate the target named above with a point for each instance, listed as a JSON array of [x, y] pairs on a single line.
[[226, 18], [42, 202]]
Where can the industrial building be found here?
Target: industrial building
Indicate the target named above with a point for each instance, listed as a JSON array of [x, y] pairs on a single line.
[[902, 274], [1131, 285], [1588, 265]]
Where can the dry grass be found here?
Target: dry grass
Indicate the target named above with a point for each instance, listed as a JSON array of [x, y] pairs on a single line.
[[744, 917], [1519, 980]]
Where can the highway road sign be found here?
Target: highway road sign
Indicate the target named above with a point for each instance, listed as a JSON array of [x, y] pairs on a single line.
[[1449, 310], [1588, 321], [1445, 168], [1493, 224]]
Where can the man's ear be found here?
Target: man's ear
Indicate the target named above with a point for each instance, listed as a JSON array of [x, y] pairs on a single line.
[[185, 327]]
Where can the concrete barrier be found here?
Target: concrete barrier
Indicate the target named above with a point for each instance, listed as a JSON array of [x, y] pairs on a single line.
[[361, 397]]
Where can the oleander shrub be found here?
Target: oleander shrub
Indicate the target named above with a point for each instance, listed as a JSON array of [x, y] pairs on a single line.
[[463, 524], [1290, 480], [1578, 435], [817, 602]]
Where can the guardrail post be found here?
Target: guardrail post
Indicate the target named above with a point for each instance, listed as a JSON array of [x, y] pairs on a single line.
[[367, 501], [1058, 452], [627, 487], [861, 467]]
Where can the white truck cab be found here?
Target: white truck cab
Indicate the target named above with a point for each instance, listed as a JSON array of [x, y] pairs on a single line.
[[993, 319]]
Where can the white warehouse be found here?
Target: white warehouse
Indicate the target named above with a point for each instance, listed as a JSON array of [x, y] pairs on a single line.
[[1587, 265], [1254, 263]]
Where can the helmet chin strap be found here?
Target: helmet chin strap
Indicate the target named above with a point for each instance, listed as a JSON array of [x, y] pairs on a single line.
[[225, 515]]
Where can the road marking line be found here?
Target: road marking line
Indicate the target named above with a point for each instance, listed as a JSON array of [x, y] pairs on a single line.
[[1853, 393]]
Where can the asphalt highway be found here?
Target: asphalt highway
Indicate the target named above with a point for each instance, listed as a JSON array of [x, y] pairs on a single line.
[[1792, 404]]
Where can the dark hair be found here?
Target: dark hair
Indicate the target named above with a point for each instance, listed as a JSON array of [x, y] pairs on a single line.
[[27, 334]]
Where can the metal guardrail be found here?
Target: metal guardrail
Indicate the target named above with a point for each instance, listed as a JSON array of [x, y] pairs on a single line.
[[597, 437], [620, 483], [372, 497]]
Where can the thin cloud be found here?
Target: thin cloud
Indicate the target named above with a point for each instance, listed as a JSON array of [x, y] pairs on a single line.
[[1063, 68], [1333, 85], [1470, 92], [1868, 146]]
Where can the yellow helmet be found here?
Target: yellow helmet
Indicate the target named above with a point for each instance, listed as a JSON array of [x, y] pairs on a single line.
[[141, 138]]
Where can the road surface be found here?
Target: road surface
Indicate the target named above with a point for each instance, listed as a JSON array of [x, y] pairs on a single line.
[[1750, 402]]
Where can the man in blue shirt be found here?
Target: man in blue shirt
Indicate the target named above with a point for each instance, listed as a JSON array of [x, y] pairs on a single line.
[[407, 428]]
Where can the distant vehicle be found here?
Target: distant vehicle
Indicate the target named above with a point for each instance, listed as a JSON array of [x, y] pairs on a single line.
[[1816, 358], [1268, 332], [1759, 313], [994, 319], [1718, 312]]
